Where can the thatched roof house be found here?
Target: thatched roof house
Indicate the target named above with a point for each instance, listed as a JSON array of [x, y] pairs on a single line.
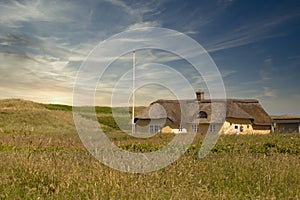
[[242, 116]]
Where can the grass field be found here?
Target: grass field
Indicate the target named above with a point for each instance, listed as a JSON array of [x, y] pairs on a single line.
[[42, 157]]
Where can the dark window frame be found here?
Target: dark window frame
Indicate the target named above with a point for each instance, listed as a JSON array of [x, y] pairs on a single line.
[[154, 128], [202, 115], [195, 128]]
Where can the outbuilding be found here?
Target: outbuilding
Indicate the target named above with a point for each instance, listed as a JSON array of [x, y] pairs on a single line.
[[286, 125]]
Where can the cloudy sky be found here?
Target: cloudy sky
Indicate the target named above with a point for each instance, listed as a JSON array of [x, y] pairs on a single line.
[[254, 44]]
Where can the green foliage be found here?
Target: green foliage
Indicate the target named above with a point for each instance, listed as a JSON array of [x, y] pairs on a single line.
[[98, 109], [6, 147], [117, 110], [58, 107], [109, 122], [259, 144], [144, 147], [103, 109]]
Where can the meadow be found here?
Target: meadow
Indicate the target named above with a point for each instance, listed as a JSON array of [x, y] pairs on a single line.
[[42, 157]]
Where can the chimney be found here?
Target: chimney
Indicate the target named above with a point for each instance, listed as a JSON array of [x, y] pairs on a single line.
[[200, 95]]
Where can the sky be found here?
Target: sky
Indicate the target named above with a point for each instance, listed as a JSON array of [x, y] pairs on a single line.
[[254, 44]]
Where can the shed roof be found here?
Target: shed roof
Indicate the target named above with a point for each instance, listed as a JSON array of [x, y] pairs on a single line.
[[286, 120]]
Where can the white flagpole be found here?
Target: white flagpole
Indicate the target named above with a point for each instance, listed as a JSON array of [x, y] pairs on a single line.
[[133, 95]]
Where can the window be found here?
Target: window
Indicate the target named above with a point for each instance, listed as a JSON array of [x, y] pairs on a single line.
[[212, 128], [195, 128], [180, 128], [202, 114], [154, 128], [151, 128], [241, 128], [236, 129]]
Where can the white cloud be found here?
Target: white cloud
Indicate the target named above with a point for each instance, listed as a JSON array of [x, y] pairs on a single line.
[[265, 75], [268, 92], [145, 24], [49, 40], [124, 6], [24, 72], [226, 73], [138, 9], [267, 70], [13, 13]]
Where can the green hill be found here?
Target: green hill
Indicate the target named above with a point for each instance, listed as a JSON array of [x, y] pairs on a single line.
[[25, 117], [21, 116]]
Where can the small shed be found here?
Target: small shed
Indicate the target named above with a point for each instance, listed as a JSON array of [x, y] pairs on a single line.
[[286, 125]]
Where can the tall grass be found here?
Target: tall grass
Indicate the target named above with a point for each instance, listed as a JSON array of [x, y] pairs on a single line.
[[236, 169], [42, 157]]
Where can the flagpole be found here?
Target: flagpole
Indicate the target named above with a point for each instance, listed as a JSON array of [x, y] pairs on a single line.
[[133, 95]]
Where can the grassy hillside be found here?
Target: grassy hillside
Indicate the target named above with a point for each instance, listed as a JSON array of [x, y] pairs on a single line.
[[42, 157], [19, 116], [25, 117]]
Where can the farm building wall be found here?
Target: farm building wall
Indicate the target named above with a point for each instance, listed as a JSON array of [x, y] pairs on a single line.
[[143, 125], [229, 127], [243, 126], [236, 126], [261, 129], [288, 128]]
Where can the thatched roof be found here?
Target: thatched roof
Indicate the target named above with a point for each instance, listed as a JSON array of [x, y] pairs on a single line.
[[188, 111], [248, 109], [171, 109]]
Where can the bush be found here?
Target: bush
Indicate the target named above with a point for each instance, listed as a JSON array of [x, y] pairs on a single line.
[[108, 121], [58, 107]]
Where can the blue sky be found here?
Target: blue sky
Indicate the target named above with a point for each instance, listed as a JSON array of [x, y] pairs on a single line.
[[255, 44]]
